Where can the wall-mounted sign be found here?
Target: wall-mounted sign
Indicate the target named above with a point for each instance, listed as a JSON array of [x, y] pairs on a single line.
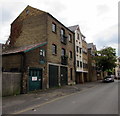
[[34, 78]]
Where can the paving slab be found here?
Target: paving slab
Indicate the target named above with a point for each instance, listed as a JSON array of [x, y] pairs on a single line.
[[12, 104]]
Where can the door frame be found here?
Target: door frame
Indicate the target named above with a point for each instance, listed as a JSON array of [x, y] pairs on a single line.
[[35, 68], [49, 74]]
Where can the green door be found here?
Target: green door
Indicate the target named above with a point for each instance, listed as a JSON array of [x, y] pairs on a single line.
[[35, 79], [63, 75], [53, 76]]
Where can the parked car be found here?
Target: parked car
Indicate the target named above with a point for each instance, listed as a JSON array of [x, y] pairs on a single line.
[[109, 78]]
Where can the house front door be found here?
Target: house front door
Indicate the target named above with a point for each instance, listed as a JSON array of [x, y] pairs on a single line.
[[35, 79], [53, 76], [63, 75]]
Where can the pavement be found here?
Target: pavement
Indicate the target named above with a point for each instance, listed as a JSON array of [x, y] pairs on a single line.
[[13, 104]]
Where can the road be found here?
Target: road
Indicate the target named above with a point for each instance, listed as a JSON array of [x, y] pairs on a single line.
[[101, 99]]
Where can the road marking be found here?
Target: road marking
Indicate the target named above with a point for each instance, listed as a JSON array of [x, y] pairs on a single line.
[[59, 98]]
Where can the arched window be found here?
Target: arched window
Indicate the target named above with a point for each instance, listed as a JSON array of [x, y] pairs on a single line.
[[70, 54], [63, 52]]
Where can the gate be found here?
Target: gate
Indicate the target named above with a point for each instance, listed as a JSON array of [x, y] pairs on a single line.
[[35, 79], [63, 75], [53, 76]]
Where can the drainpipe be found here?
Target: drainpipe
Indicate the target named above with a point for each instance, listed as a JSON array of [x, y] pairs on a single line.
[[22, 71]]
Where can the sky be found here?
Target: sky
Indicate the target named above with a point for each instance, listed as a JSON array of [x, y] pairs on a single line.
[[98, 19]]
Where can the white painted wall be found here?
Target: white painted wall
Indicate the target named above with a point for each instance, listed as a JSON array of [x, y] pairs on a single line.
[[78, 55]]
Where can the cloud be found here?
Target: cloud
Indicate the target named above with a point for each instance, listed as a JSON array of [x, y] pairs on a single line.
[[102, 9], [97, 19], [107, 37]]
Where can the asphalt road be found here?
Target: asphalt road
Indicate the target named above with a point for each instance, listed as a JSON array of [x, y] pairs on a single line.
[[101, 99]]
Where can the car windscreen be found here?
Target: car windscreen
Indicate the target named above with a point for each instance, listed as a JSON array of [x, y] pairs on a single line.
[[107, 77]]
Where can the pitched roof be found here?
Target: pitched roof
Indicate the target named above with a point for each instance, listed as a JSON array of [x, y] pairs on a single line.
[[91, 45], [36, 11], [23, 48], [73, 28]]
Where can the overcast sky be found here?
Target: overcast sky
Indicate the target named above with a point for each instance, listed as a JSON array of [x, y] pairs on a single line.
[[98, 19]]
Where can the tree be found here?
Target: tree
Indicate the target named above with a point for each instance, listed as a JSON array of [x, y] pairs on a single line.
[[105, 59]]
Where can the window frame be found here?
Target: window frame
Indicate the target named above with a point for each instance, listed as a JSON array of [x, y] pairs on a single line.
[[54, 49], [62, 32], [54, 27], [70, 55], [81, 65], [80, 50], [77, 63], [70, 38], [78, 36], [77, 49], [42, 52], [63, 52]]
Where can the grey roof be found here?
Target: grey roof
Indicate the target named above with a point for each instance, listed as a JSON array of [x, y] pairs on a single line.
[[91, 45], [73, 28]]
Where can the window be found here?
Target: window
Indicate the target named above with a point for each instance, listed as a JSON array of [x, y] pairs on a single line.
[[80, 64], [71, 73], [27, 11], [78, 36], [80, 50], [54, 49], [53, 27], [42, 52], [63, 52], [70, 38], [77, 48], [70, 54], [63, 37], [62, 32], [77, 63]]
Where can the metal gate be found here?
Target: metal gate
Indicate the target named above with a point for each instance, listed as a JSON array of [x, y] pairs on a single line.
[[53, 76], [35, 79], [63, 75]]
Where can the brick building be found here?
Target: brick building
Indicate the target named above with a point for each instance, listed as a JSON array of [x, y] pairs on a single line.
[[92, 72], [49, 58], [85, 59]]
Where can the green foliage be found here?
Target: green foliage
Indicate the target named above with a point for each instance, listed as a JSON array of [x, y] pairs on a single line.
[[105, 59]]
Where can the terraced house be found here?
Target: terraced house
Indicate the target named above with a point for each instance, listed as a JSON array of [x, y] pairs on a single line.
[[92, 71], [42, 49], [81, 58]]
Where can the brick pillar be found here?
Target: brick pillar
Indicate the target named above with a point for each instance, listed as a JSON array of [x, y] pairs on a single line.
[[24, 83]]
